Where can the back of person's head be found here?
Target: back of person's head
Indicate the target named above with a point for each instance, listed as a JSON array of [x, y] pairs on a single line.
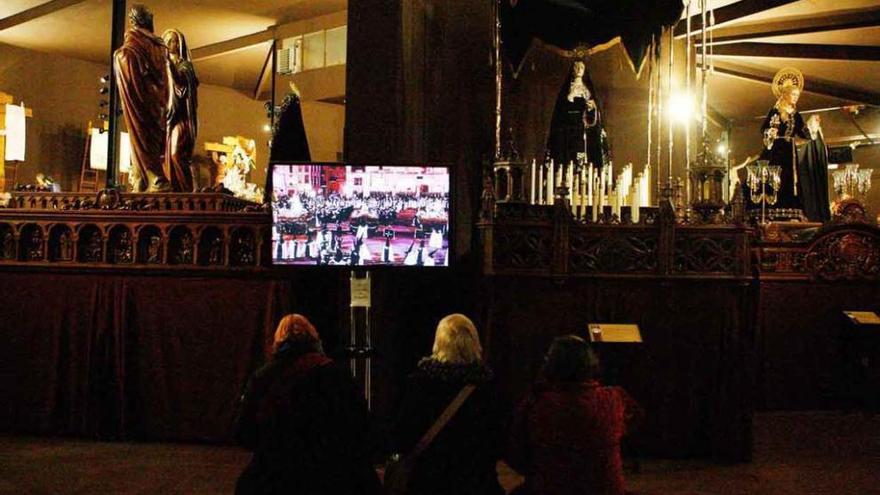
[[570, 359], [297, 328], [456, 341]]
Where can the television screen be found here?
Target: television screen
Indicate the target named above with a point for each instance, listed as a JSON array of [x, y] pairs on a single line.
[[360, 215]]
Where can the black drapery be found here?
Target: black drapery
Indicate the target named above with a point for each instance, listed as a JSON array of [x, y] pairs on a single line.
[[813, 179], [569, 23]]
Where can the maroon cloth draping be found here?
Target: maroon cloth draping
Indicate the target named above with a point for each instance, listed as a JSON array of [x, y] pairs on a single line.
[[133, 357]]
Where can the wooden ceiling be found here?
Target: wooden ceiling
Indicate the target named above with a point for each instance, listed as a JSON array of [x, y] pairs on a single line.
[[81, 29], [835, 43]]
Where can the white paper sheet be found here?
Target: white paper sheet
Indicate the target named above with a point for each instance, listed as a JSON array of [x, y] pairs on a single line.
[[98, 150], [15, 133]]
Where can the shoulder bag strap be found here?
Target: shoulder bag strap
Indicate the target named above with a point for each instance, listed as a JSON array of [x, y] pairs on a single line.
[[444, 418]]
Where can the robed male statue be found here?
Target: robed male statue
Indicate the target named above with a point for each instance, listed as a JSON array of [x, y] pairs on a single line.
[[141, 67]]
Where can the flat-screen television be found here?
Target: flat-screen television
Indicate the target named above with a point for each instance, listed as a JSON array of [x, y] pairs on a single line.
[[348, 214]]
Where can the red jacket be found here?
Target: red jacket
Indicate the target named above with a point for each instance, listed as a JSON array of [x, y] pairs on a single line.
[[565, 438]]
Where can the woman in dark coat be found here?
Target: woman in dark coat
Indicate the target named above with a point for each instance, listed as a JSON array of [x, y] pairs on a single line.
[[565, 437], [462, 458], [305, 421]]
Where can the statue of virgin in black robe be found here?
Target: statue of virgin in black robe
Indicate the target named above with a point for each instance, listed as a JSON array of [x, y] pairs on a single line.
[[804, 176], [576, 130]]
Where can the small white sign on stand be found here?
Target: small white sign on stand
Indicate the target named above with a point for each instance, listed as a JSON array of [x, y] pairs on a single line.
[[360, 292]]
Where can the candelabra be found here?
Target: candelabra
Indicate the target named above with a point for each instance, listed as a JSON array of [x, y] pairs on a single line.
[[852, 182], [761, 175]]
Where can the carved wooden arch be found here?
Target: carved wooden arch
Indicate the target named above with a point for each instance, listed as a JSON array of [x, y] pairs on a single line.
[[845, 253]]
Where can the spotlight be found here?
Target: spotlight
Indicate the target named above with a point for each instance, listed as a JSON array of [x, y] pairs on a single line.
[[103, 90], [105, 79], [681, 108], [721, 149], [102, 116], [267, 128]]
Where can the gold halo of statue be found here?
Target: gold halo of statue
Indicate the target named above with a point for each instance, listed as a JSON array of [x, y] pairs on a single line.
[[787, 76]]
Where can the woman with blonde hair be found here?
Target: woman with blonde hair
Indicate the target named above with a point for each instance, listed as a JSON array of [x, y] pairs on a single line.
[[461, 459], [305, 421]]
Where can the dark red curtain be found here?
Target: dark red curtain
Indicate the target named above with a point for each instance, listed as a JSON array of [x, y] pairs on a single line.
[[131, 357], [693, 374]]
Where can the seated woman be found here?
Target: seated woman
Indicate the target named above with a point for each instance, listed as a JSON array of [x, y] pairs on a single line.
[[462, 458], [565, 437], [305, 421]]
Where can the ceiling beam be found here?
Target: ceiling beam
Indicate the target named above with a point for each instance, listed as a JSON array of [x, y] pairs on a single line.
[[833, 21], [817, 87], [798, 50], [233, 45], [730, 13], [716, 118], [265, 71], [36, 12]]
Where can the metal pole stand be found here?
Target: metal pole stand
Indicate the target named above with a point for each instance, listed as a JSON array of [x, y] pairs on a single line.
[[360, 344]]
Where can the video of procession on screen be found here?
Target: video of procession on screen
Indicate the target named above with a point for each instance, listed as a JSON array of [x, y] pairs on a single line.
[[342, 214]]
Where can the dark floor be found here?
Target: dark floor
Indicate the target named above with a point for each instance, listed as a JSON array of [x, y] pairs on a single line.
[[795, 453]]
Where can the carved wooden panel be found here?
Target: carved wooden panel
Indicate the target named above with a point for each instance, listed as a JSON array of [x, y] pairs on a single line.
[[523, 248], [612, 252], [706, 254], [846, 255]]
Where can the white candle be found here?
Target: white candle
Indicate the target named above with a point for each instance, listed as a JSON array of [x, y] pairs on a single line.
[[532, 190], [583, 188], [637, 201], [590, 185], [541, 184], [595, 211], [570, 178], [603, 176], [550, 184], [558, 174]]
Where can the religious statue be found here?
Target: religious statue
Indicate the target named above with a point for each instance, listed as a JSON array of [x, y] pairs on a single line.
[[8, 248], [123, 250], [35, 251], [154, 250], [797, 187], [183, 123], [141, 68], [575, 133], [184, 253], [289, 141], [216, 252], [65, 247], [93, 249]]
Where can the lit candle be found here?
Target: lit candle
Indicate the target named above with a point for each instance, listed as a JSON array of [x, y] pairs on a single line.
[[590, 185], [559, 173], [595, 205], [636, 200], [603, 176], [532, 191], [550, 184], [541, 184], [570, 176], [583, 189]]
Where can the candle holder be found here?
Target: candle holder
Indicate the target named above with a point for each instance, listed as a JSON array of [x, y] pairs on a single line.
[[852, 182], [762, 175], [707, 186], [509, 181]]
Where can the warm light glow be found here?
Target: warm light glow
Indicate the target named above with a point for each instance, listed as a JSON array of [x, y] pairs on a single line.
[[681, 108], [721, 149], [267, 128]]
